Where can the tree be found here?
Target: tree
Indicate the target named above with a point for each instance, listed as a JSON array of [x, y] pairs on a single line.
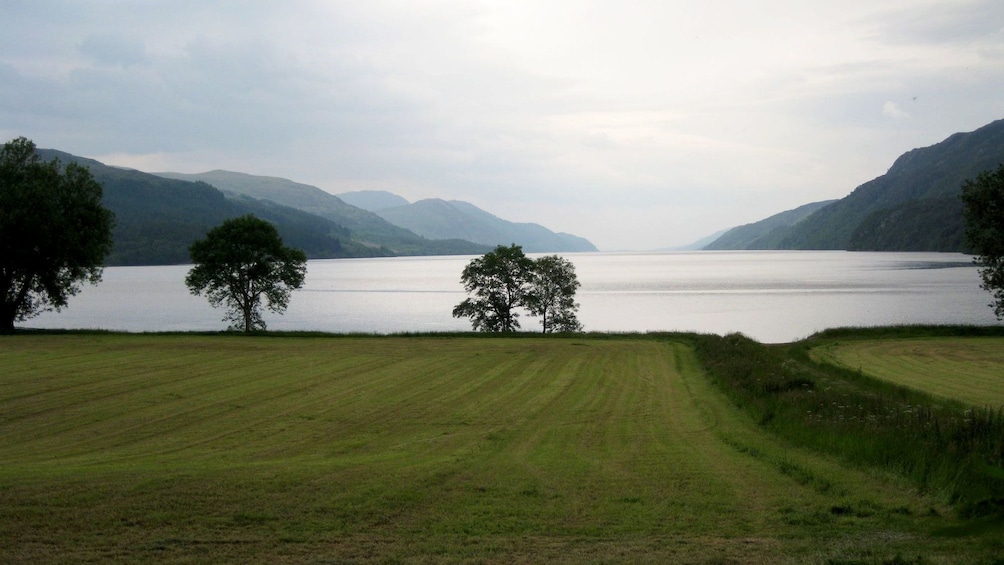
[[504, 280], [499, 281], [54, 232], [983, 198], [552, 294], [241, 261]]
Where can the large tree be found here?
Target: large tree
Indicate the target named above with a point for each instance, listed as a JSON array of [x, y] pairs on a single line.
[[552, 294], [498, 282], [54, 232], [242, 261], [983, 198]]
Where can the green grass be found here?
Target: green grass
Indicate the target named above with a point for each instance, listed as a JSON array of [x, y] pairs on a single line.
[[944, 447], [967, 369], [200, 448]]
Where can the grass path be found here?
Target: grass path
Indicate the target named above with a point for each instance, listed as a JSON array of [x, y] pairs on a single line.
[[968, 369], [124, 448]]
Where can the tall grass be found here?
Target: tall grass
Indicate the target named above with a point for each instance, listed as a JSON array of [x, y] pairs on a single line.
[[945, 447]]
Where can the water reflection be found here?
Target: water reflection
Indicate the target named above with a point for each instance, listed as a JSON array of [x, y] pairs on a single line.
[[771, 296]]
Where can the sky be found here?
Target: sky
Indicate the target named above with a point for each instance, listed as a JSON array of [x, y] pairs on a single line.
[[637, 124]]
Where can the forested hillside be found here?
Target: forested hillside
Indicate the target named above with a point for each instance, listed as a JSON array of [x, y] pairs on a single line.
[[913, 207], [426, 227], [156, 219], [367, 228], [763, 234]]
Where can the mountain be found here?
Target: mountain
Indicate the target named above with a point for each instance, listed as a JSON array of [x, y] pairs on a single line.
[[454, 219], [373, 200], [156, 219], [763, 234], [698, 245], [913, 207], [928, 224], [441, 219], [366, 228]]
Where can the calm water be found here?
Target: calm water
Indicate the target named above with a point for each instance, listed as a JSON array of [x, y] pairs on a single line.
[[770, 296]]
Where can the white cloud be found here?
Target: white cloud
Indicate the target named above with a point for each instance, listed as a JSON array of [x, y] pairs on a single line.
[[892, 110], [670, 117]]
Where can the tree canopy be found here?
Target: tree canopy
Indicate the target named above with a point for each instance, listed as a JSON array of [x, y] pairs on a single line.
[[983, 198], [499, 281], [54, 232], [552, 294], [239, 263], [504, 280]]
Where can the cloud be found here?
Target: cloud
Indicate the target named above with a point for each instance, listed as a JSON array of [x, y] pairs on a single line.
[[113, 49], [892, 110], [965, 22], [687, 116]]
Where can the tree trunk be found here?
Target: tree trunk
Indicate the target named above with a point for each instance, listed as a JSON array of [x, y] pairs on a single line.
[[6, 321], [8, 310]]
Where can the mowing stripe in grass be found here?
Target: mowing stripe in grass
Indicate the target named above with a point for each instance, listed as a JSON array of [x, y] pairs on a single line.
[[968, 369], [216, 448]]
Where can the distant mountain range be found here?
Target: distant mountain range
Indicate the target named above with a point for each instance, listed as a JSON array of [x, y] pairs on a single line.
[[156, 219], [454, 219], [158, 216], [373, 200], [374, 235], [447, 224], [915, 206]]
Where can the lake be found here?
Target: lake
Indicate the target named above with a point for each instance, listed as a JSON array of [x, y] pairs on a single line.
[[772, 296]]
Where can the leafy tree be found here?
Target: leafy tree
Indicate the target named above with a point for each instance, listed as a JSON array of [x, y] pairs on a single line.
[[241, 261], [983, 198], [552, 294], [499, 282], [54, 232], [504, 280]]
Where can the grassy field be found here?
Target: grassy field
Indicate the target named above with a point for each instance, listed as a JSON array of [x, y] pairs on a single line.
[[185, 449], [967, 369]]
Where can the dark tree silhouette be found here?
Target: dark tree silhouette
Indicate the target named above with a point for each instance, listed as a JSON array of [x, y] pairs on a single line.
[[552, 294], [983, 198], [498, 281], [242, 261], [54, 232]]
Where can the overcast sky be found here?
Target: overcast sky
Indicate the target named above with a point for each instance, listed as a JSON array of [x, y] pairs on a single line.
[[637, 124]]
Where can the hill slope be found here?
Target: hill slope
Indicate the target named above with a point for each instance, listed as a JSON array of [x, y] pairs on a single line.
[[373, 200], [441, 219], [366, 227], [156, 219], [913, 207], [758, 235]]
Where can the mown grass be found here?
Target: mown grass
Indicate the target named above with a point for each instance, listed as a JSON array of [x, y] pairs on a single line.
[[202, 448], [967, 369], [944, 447]]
